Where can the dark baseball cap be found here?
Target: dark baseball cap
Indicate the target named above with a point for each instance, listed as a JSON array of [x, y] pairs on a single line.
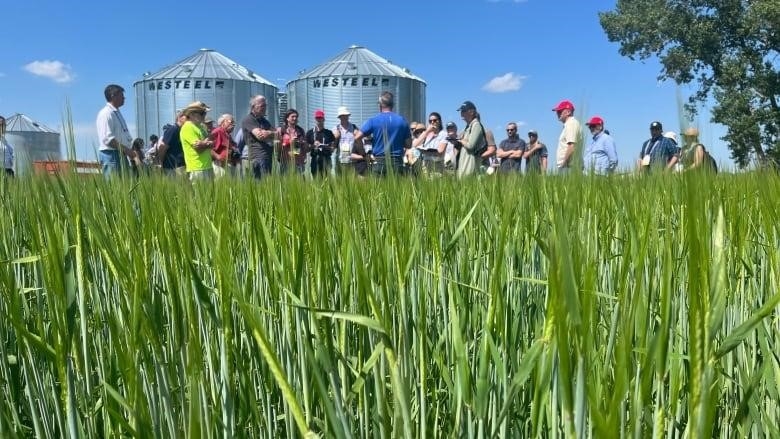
[[451, 125], [467, 105], [533, 133], [656, 126]]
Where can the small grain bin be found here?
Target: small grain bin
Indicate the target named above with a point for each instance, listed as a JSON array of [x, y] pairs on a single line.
[[32, 141]]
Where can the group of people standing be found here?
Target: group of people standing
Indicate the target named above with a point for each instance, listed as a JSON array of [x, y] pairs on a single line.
[[474, 150], [660, 152], [187, 146], [384, 143]]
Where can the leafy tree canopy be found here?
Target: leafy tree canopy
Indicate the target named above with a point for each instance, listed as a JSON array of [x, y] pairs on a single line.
[[729, 48]]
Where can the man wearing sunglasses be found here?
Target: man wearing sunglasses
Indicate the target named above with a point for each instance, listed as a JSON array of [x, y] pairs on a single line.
[[195, 142], [510, 150]]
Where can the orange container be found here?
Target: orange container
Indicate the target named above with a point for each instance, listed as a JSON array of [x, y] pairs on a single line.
[[50, 167]]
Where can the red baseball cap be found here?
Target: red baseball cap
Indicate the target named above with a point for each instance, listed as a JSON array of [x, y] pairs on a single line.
[[564, 105], [319, 113], [595, 120]]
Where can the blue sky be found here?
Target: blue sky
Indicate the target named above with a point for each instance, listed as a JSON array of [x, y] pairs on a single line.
[[515, 59]]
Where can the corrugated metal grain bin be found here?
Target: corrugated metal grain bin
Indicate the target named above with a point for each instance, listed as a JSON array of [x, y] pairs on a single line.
[[31, 141], [355, 78], [206, 76]]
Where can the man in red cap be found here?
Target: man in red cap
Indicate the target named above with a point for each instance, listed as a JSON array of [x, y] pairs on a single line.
[[321, 141], [600, 156], [570, 135]]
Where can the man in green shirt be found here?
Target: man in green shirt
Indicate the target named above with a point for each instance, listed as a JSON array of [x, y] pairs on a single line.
[[195, 143]]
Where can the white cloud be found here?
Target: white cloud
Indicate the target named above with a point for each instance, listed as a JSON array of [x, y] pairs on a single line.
[[54, 70], [504, 83]]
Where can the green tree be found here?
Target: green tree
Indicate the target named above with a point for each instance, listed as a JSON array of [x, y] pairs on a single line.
[[729, 48]]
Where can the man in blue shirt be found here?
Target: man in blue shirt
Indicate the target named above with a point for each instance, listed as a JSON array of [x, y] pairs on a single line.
[[658, 151], [600, 156], [391, 135]]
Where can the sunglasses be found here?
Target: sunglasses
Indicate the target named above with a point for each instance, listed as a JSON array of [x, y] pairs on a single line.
[[511, 130], [433, 120]]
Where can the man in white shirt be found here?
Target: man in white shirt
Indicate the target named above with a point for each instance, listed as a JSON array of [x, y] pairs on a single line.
[[569, 138], [8, 150], [115, 139]]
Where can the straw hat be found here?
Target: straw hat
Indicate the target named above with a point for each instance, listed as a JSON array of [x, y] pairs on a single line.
[[195, 107], [691, 132]]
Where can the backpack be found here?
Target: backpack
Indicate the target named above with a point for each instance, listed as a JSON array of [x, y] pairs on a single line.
[[481, 150], [708, 161], [711, 161]]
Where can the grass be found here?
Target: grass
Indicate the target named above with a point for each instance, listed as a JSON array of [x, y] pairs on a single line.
[[600, 307]]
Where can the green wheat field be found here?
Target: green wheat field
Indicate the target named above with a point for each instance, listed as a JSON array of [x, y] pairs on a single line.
[[510, 307]]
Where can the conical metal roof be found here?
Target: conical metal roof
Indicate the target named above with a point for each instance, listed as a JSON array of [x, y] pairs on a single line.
[[357, 60], [21, 123], [207, 63]]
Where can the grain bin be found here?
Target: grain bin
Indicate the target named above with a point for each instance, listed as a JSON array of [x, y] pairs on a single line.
[[355, 78], [32, 141], [207, 76]]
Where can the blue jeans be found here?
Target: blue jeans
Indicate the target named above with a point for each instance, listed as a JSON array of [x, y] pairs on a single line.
[[109, 159], [380, 166], [261, 167]]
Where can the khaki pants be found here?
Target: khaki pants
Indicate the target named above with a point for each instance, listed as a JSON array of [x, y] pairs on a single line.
[[203, 175], [219, 171]]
